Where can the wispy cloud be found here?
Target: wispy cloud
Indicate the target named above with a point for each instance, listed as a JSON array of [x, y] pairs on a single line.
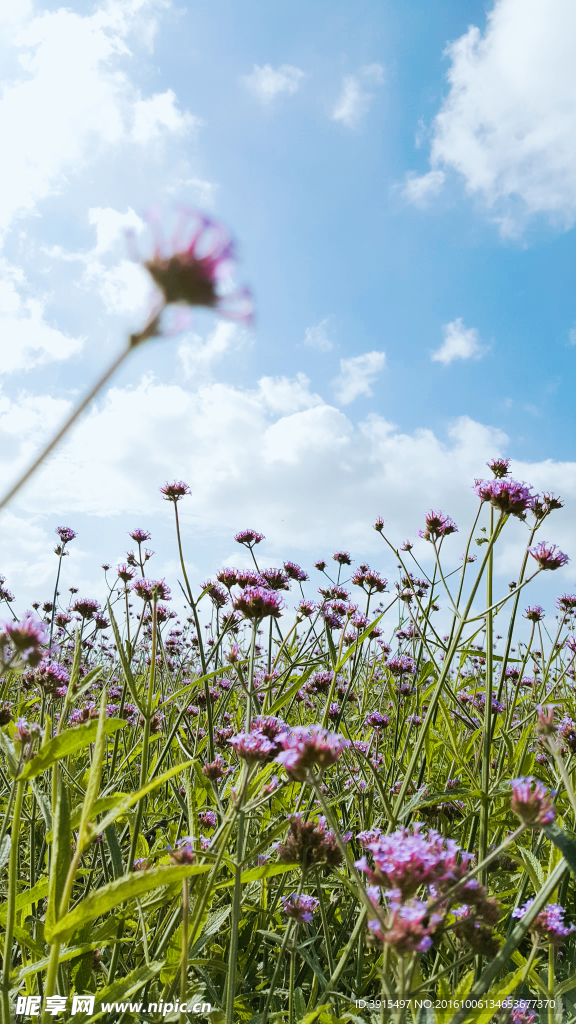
[[266, 82], [356, 95], [357, 374], [460, 342], [317, 337]]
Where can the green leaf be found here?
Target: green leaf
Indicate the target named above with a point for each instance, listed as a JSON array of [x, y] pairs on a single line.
[[68, 742], [566, 845], [267, 871], [121, 990], [115, 851], [286, 696], [5, 852], [100, 901], [446, 992], [125, 663], [95, 776], [61, 850], [533, 867], [27, 897], [499, 991], [129, 799]]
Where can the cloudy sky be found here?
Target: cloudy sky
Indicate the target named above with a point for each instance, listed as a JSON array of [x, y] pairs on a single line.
[[401, 179]]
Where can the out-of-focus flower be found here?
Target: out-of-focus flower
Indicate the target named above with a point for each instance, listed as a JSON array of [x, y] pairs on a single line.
[[377, 721], [548, 556], [207, 819], [401, 666], [26, 638], [251, 746], [191, 267], [300, 908], [549, 925], [535, 613], [532, 802], [184, 852]]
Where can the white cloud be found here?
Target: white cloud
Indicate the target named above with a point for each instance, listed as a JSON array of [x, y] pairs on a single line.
[[357, 374], [267, 82], [26, 339], [460, 342], [317, 337], [419, 189], [355, 99], [73, 100], [197, 354], [507, 123]]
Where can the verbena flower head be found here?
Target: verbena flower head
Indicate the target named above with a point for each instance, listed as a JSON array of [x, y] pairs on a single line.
[[407, 859], [86, 607], [139, 536], [300, 908], [508, 496], [309, 843], [152, 590], [27, 638], [256, 603], [379, 525], [190, 267], [567, 732], [370, 580], [217, 595], [402, 665], [567, 603], [320, 565], [532, 802], [227, 577], [549, 925], [499, 467], [65, 533], [377, 721], [306, 609], [308, 746], [410, 926], [251, 746], [342, 557], [174, 492], [249, 538], [295, 572], [184, 852], [275, 579], [548, 556], [535, 613], [207, 819], [438, 525], [52, 677], [215, 770]]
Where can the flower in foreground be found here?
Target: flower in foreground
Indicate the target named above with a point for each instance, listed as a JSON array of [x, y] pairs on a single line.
[[86, 607], [300, 908], [251, 746], [548, 556], [307, 746], [215, 770], [190, 268], [152, 590], [407, 859], [532, 802], [410, 926], [256, 603], [508, 496], [549, 925], [26, 637]]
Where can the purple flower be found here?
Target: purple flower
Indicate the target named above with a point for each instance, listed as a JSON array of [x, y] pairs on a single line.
[[548, 556], [377, 721], [294, 572], [300, 908], [52, 677], [228, 577], [410, 926], [191, 266], [438, 525], [27, 637], [140, 864], [306, 609], [275, 579], [309, 844], [174, 492], [567, 603], [65, 533], [342, 557], [207, 819], [405, 860], [249, 538], [251, 746], [217, 595], [499, 467], [370, 580], [215, 770], [531, 802], [401, 666], [306, 746], [86, 607], [320, 565], [184, 852], [549, 925], [256, 603], [139, 536], [125, 573], [509, 496], [535, 613], [379, 524], [150, 590]]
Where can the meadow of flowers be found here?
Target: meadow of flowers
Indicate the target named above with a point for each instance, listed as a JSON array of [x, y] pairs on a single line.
[[314, 795]]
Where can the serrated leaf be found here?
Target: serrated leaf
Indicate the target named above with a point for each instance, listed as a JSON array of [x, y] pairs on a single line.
[[68, 742], [563, 843], [61, 850], [533, 867], [100, 901], [499, 991]]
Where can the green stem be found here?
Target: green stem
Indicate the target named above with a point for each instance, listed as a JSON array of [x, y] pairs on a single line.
[[11, 899], [487, 744], [184, 965]]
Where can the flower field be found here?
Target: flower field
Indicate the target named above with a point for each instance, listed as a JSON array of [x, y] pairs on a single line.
[[300, 799]]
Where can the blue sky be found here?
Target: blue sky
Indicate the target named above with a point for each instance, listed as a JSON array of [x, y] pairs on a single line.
[[400, 179]]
